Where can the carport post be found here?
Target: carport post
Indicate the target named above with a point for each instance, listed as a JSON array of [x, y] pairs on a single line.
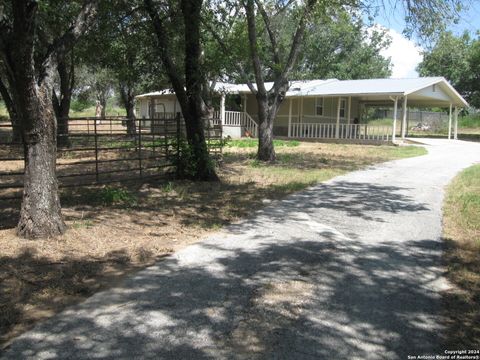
[[404, 120], [450, 122], [455, 133], [290, 117], [337, 128], [395, 110]]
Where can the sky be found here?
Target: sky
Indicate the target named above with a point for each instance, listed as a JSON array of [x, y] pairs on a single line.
[[405, 53]]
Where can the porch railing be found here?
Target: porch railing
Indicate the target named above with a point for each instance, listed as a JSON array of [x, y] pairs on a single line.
[[238, 118], [344, 131]]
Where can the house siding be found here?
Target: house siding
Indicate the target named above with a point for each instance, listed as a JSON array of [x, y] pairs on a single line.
[[309, 112]]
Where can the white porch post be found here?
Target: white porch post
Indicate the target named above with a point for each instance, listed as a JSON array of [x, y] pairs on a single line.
[[450, 122], [395, 110], [349, 115], [455, 131], [290, 117], [337, 128], [404, 120], [222, 110], [301, 109]]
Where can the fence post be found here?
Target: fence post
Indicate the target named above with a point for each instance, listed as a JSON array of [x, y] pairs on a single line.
[[96, 149], [140, 147]]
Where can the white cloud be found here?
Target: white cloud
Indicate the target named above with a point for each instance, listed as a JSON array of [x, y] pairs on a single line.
[[405, 55]]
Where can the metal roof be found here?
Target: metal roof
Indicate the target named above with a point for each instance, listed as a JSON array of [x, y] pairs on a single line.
[[373, 88], [368, 86]]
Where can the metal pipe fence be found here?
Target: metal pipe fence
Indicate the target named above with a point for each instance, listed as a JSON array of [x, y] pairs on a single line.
[[98, 151]]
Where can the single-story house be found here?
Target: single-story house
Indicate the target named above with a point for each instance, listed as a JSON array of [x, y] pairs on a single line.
[[322, 109]]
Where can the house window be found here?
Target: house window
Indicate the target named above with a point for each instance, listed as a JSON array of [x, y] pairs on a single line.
[[319, 104], [342, 108]]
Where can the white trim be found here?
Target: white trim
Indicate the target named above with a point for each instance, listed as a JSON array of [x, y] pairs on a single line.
[[337, 127], [301, 110], [222, 109], [440, 81], [290, 101], [349, 117]]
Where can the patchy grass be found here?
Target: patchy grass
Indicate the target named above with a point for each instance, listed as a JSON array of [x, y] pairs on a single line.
[[114, 230], [462, 233], [253, 143]]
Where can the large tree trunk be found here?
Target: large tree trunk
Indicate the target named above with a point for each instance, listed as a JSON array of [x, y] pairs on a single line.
[[102, 98], [128, 100], [203, 167], [269, 100], [29, 80], [40, 215], [196, 107], [266, 116], [188, 92], [61, 104]]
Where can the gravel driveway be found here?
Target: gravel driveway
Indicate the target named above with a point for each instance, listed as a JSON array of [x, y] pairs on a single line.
[[349, 269]]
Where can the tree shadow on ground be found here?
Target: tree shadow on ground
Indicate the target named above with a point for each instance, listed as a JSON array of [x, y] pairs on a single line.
[[34, 287], [208, 205], [211, 302], [9, 213]]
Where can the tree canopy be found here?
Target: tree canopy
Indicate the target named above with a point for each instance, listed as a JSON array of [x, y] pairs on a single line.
[[457, 58]]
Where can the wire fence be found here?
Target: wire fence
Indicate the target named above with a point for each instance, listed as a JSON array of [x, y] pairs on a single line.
[[417, 121], [99, 151]]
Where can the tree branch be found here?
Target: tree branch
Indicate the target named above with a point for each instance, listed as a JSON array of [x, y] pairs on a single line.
[[165, 53], [253, 44], [271, 35], [296, 42], [65, 42], [226, 49]]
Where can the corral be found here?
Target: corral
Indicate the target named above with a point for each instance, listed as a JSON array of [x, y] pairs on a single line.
[[102, 151]]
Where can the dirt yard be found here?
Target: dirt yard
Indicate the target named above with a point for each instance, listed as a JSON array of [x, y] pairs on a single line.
[[116, 230]]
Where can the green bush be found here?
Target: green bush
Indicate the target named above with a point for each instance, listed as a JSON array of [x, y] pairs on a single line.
[[110, 195], [81, 104], [469, 121], [185, 162]]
